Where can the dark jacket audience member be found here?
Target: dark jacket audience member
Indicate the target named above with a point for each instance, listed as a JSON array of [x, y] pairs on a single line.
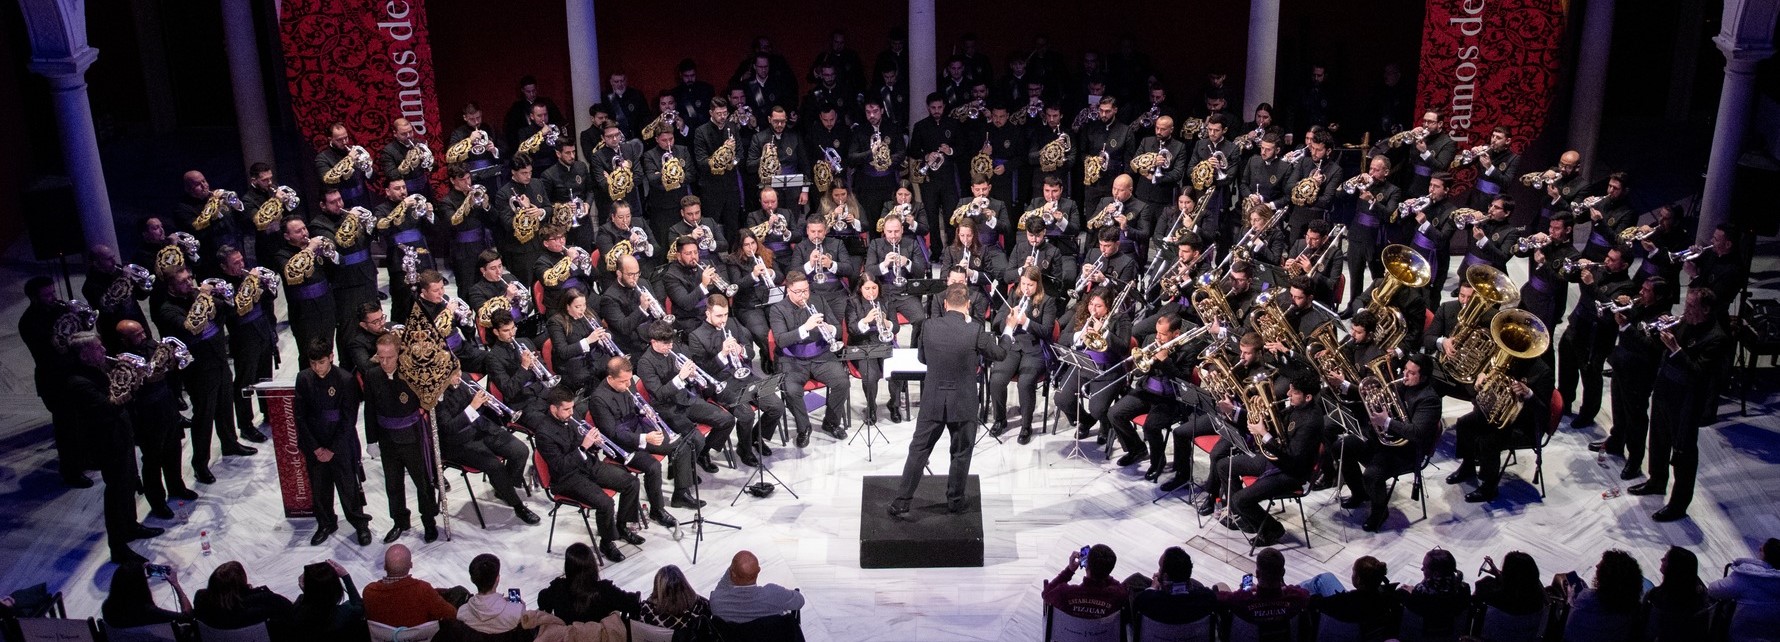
[[228, 602], [330, 607], [580, 595], [131, 603]]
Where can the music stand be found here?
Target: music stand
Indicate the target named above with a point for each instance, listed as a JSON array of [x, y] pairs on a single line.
[[858, 353], [1071, 357], [761, 472], [787, 181], [1199, 400], [1350, 426]]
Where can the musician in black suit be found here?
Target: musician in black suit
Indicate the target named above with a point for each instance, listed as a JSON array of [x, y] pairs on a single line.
[[470, 437], [1157, 187], [207, 380], [952, 349], [1636, 358], [396, 425], [787, 147], [936, 306], [1126, 215], [1108, 266], [825, 260], [752, 269], [1492, 241], [557, 268], [576, 474], [690, 280], [326, 409], [1215, 145], [108, 430], [1035, 250], [1063, 219], [1154, 394], [1094, 317], [1317, 163], [1282, 463], [1374, 225], [1480, 443], [1308, 252], [1415, 420], [683, 401], [1034, 318], [987, 213], [891, 255], [1431, 232], [1545, 292], [779, 243], [1496, 163], [720, 184], [253, 337], [805, 354], [513, 367], [1695, 355], [1719, 268], [1583, 347], [629, 304], [870, 318], [615, 157], [1433, 153], [709, 235], [579, 343], [514, 208], [1609, 214], [618, 414], [723, 347]]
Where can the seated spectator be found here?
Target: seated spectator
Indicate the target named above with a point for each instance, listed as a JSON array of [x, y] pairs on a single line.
[[580, 595], [131, 604], [228, 602], [1098, 596], [1270, 605], [490, 610], [1171, 596], [1514, 589], [739, 599], [674, 605], [1608, 609], [1442, 594], [329, 607], [1755, 586], [401, 601], [1371, 604], [1678, 605]]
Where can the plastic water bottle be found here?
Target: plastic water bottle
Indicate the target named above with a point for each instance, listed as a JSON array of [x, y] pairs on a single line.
[[204, 542]]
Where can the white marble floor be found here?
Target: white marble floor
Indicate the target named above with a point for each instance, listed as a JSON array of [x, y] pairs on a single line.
[[1037, 507]]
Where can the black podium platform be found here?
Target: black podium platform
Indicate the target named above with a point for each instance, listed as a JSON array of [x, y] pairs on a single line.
[[925, 537]]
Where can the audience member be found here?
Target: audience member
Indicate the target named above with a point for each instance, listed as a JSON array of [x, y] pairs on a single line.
[[1677, 605], [579, 595], [229, 602], [1270, 605], [131, 603], [1607, 610], [1371, 604], [330, 607], [1755, 586], [1098, 596], [399, 600], [1441, 596], [739, 598], [1171, 596], [674, 605], [1513, 589], [490, 610]]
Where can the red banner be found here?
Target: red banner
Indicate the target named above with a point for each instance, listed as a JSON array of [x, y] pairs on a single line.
[[1490, 63], [364, 63], [293, 473]]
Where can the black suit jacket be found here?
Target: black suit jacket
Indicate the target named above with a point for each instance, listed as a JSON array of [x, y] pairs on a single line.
[[953, 347]]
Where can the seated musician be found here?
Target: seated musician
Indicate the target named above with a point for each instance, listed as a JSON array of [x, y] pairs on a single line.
[[1180, 269], [579, 344], [897, 254], [682, 396], [782, 229], [870, 318], [1154, 394], [620, 226], [1034, 315], [979, 303], [847, 218], [618, 414], [491, 282], [982, 263], [689, 279], [1263, 243], [1108, 265], [1035, 250], [825, 260], [752, 268], [515, 367], [1413, 427], [1439, 344], [1104, 335], [806, 330], [628, 304], [1481, 443], [709, 236], [1282, 463], [902, 206], [723, 346], [469, 436], [1309, 252], [557, 267], [1252, 360], [578, 472]]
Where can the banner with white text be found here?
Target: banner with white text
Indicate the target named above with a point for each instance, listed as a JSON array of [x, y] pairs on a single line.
[[1490, 63]]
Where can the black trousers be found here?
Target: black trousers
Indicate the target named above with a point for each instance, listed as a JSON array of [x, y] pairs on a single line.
[[1100, 394], [1028, 366], [336, 477], [161, 473], [871, 373], [1480, 444], [1362, 256], [831, 373], [1246, 503], [463, 265], [253, 364], [1163, 413], [754, 319], [1631, 413], [1578, 359], [873, 193], [312, 321], [1367, 467], [1199, 426], [680, 455], [1674, 442], [72, 458], [591, 492], [685, 419], [754, 409], [116, 456], [501, 457], [963, 436], [347, 301], [408, 459], [210, 386], [721, 201], [938, 195]]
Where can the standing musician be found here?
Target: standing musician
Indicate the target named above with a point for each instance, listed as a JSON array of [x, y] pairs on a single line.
[[616, 158], [1156, 187], [578, 345], [397, 424], [871, 321], [684, 399], [1430, 232], [1035, 251], [895, 255], [1033, 316], [449, 318], [106, 275], [663, 190], [1559, 190], [398, 227], [751, 268], [1318, 165], [1041, 135], [1215, 146], [1433, 153], [723, 346], [1374, 225], [361, 346], [107, 427], [1263, 181], [1492, 241], [782, 229], [806, 330], [326, 409], [1696, 352], [469, 233], [875, 172], [350, 184], [401, 148], [1282, 464], [566, 182], [1127, 216], [1480, 444], [1104, 335], [785, 147], [571, 453], [1666, 236], [1719, 268], [1582, 350], [470, 437], [1307, 258], [980, 263], [207, 381], [492, 282], [952, 350], [1412, 422], [155, 422], [515, 368], [482, 167], [708, 234], [1496, 163], [1608, 214], [618, 414], [352, 280], [930, 143], [1545, 292], [1106, 142], [560, 267], [253, 332], [1153, 393], [825, 260], [622, 227], [1636, 358], [720, 184], [988, 214], [521, 207]]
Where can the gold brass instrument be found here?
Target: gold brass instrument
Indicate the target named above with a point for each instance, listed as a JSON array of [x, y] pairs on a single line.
[[618, 251], [976, 208], [1325, 353], [1095, 337], [1468, 156], [620, 181], [1518, 334], [545, 137], [1403, 268], [1210, 302], [1257, 398], [1268, 319], [1046, 213], [214, 206], [1632, 235], [356, 159], [825, 169], [1408, 137], [418, 156], [1538, 180], [127, 374], [982, 165], [1205, 173], [1322, 255], [476, 143], [284, 200], [526, 220], [1054, 154], [1467, 217], [1215, 375], [1104, 218], [1190, 128], [723, 158], [1146, 356], [1093, 166], [673, 172], [1472, 344], [769, 161], [477, 198], [1304, 192], [1182, 274], [1380, 397], [880, 152]]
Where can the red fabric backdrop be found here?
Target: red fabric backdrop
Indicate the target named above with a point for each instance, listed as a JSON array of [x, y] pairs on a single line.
[[1489, 63], [361, 62]]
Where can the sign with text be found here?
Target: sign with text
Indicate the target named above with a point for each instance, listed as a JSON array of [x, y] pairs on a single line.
[[1488, 64]]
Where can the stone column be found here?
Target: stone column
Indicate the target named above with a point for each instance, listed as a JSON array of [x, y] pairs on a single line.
[[923, 65], [80, 145], [241, 43], [1735, 105], [584, 62], [1591, 80], [1263, 54]]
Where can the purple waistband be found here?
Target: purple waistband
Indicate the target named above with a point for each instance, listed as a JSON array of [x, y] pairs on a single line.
[[1488, 186], [330, 415], [453, 340], [478, 164], [398, 423], [807, 350], [210, 330], [572, 283], [1424, 244], [355, 258], [1539, 283], [778, 246], [1363, 218], [1423, 170], [1472, 259], [1101, 358], [1649, 267], [1158, 386], [478, 235], [252, 315], [1596, 239], [352, 192], [410, 236], [869, 171], [311, 290]]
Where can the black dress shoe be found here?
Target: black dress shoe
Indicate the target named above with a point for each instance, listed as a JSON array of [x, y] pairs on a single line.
[[803, 439], [1353, 502], [836, 432], [1648, 487], [203, 476], [1153, 474], [1374, 521], [322, 534], [630, 537], [362, 536], [1081, 433], [1132, 458], [1174, 483], [78, 481], [1204, 505], [1324, 482], [1025, 435], [395, 533], [1612, 447], [1669, 514], [687, 502], [893, 412], [161, 511], [239, 450], [898, 507], [762, 448], [526, 515], [1630, 472], [1100, 440], [957, 506], [1481, 495], [1230, 522], [663, 518], [998, 429], [1267, 537], [1461, 475], [253, 435], [127, 556], [704, 462], [145, 532], [748, 459], [429, 533], [609, 549], [186, 494]]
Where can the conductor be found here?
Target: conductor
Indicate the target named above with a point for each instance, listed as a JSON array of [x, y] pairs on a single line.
[[951, 346]]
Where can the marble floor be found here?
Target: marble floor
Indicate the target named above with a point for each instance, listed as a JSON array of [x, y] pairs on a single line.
[[1037, 506]]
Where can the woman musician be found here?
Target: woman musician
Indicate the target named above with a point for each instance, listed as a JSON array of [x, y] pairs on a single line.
[[1104, 335], [1035, 315], [871, 322], [576, 342], [1265, 244], [749, 266], [981, 262], [1398, 437]]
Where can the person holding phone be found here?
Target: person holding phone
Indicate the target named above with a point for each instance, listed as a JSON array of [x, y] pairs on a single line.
[[131, 602], [491, 610], [1098, 596], [330, 607]]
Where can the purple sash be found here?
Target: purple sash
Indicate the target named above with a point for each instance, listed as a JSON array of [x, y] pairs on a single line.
[[1539, 284], [330, 415], [1423, 170], [874, 173], [478, 235], [352, 193], [355, 258], [572, 283], [398, 423], [476, 165], [209, 331], [1470, 260], [778, 246], [252, 316], [1364, 218], [453, 340], [410, 236], [1158, 385], [1596, 239], [308, 291], [806, 350], [1102, 359], [1488, 186], [1424, 245]]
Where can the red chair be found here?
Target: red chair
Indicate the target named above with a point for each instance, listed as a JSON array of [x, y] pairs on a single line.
[[559, 501], [466, 471], [703, 429], [1296, 496], [772, 355], [545, 351], [538, 295]]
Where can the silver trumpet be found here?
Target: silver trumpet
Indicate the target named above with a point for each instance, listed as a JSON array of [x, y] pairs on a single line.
[[1660, 324], [220, 288], [1294, 155], [492, 407], [699, 376], [1411, 206], [541, 373], [820, 276], [827, 330], [1689, 254], [652, 306], [652, 418], [729, 289], [898, 267], [610, 449], [886, 332], [739, 368], [1357, 183], [707, 241]]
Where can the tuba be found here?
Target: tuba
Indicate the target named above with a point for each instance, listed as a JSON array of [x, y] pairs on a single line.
[[1472, 344], [1257, 398], [1269, 320], [1403, 268], [723, 158], [1210, 303], [545, 137], [1380, 397], [673, 172], [1054, 154], [284, 201], [1518, 334]]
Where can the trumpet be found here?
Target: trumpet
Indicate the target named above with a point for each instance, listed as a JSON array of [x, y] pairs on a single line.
[[738, 367], [1468, 156], [1358, 182], [1293, 156], [651, 417], [699, 376], [1538, 180], [542, 374], [886, 332], [729, 289], [707, 241], [492, 407], [1530, 243], [1631, 235], [1467, 217], [1573, 266], [1579, 207], [898, 266], [1146, 357], [651, 305], [419, 156], [827, 329], [1411, 206], [1409, 137], [1687, 255], [819, 276], [1248, 141], [1658, 325], [1085, 281], [610, 449], [1619, 305]]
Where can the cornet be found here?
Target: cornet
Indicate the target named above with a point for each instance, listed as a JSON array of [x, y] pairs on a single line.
[[1660, 324], [651, 305], [1467, 217], [1634, 234], [827, 329], [699, 376], [1530, 243], [1358, 182], [1469, 156], [886, 332], [738, 367], [1292, 157], [1584, 205], [1619, 305], [539, 372], [1538, 180]]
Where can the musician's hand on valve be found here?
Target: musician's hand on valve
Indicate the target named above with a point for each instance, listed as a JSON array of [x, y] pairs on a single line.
[[811, 323], [1476, 232], [1336, 380], [707, 276], [1588, 276], [653, 438], [1669, 341], [480, 398], [1276, 347], [1381, 420], [1483, 160], [1520, 389], [591, 439], [525, 360], [1227, 407], [1649, 247], [1449, 348], [688, 371], [1619, 318], [1257, 429]]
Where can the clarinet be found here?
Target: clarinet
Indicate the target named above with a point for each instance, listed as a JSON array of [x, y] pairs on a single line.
[[606, 446]]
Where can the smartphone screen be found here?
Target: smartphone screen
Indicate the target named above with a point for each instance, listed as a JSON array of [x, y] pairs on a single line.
[[1083, 555], [1248, 582], [157, 570], [513, 595]]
